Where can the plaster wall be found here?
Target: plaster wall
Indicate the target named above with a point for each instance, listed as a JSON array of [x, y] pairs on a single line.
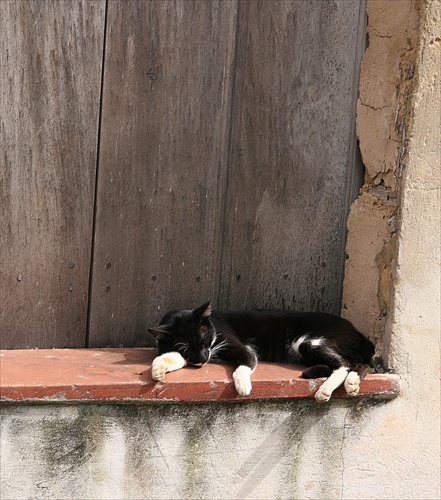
[[394, 243], [257, 450], [260, 450], [388, 79]]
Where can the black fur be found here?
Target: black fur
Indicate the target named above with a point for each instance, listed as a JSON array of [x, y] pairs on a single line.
[[329, 342]]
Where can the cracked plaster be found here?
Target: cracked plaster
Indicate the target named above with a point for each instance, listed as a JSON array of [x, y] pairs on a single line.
[[387, 82]]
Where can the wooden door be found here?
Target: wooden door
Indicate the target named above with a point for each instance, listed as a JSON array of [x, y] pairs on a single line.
[[50, 80], [293, 171], [161, 153], [226, 158], [165, 119]]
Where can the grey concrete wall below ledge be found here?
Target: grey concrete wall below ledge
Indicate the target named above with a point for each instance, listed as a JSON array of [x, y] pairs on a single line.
[[254, 450]]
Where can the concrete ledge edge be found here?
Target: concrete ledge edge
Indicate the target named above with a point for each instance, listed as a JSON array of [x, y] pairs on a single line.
[[122, 375]]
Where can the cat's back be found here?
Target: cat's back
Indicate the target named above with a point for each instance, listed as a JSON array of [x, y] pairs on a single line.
[[255, 317], [277, 318], [268, 324], [272, 330], [283, 324]]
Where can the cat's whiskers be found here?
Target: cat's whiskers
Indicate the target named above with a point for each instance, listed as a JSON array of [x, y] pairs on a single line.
[[219, 347]]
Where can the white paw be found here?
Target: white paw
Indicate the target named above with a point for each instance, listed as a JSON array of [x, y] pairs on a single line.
[[335, 380], [242, 380], [323, 394], [159, 368], [168, 362], [352, 384]]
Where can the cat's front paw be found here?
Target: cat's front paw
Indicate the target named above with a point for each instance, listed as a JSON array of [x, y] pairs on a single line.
[[242, 380], [159, 368], [352, 384], [168, 362]]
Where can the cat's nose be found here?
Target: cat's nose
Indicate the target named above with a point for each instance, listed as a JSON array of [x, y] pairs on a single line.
[[204, 356]]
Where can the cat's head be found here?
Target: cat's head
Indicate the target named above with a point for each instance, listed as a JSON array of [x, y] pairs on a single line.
[[191, 333]]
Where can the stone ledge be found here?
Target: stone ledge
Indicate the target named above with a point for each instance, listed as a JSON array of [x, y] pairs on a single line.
[[54, 375]]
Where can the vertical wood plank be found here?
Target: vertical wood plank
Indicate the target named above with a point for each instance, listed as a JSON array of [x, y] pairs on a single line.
[[292, 155], [51, 55], [162, 172]]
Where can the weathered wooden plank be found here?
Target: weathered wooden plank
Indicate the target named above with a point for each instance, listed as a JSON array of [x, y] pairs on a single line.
[[292, 154], [51, 56], [162, 171]]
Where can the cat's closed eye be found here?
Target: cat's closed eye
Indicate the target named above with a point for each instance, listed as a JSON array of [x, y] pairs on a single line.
[[203, 329], [182, 347]]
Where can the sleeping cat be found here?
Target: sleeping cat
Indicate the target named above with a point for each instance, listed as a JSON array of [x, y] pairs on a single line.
[[328, 345]]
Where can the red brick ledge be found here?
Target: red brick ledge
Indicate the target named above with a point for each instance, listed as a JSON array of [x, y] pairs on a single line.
[[55, 375]]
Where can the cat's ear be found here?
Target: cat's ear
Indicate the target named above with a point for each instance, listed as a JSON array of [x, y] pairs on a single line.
[[203, 311], [159, 331]]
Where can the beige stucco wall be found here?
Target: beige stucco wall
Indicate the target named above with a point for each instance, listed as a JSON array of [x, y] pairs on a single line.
[[388, 79], [398, 73], [392, 281]]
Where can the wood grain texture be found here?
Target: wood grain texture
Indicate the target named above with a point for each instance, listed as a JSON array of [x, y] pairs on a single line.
[[162, 168], [292, 155], [225, 165], [51, 56]]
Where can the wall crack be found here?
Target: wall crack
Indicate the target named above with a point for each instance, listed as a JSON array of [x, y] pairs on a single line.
[[373, 107], [342, 454]]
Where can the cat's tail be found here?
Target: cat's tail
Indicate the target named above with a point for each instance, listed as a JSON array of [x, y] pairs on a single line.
[[317, 371]]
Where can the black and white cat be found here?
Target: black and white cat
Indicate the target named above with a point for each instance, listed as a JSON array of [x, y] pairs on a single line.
[[328, 345]]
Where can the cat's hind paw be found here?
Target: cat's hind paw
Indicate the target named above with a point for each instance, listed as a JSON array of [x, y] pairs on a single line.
[[242, 380], [335, 380], [323, 395], [352, 384]]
